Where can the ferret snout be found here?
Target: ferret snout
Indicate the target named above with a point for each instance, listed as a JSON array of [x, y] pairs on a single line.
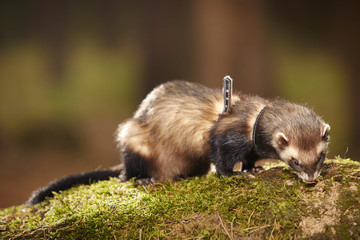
[[309, 177]]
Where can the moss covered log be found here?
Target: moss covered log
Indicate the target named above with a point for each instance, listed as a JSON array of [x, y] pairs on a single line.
[[275, 204]]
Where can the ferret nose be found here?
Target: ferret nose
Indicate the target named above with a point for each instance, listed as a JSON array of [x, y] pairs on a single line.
[[310, 178], [310, 175], [309, 181]]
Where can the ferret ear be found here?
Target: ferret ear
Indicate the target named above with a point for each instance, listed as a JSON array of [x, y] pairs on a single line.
[[325, 132], [281, 140]]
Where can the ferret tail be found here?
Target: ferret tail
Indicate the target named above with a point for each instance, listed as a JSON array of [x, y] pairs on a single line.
[[67, 182]]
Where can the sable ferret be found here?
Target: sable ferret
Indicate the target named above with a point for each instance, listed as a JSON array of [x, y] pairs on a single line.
[[181, 128]]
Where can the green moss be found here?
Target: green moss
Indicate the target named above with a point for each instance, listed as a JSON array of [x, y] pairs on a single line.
[[273, 205]]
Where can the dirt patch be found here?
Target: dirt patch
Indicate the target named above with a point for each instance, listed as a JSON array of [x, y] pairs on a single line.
[[332, 206], [324, 205]]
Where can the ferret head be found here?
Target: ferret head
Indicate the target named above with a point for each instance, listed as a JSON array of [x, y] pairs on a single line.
[[303, 148]]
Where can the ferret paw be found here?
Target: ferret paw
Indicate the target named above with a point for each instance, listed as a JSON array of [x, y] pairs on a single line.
[[145, 181], [257, 169], [245, 173]]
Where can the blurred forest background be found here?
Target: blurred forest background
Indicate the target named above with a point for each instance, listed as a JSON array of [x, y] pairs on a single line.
[[71, 71]]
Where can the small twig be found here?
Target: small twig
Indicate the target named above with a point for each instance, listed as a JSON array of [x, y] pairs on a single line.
[[249, 220], [257, 228], [145, 189], [347, 210], [232, 227], [160, 184], [223, 225], [140, 234], [251, 228], [272, 231]]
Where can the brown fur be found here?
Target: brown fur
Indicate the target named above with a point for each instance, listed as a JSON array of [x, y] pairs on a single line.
[[172, 128]]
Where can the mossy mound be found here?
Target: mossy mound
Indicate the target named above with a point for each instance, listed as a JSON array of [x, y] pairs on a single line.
[[275, 204]]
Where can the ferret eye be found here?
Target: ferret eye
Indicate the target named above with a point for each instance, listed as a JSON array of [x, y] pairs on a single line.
[[295, 162]]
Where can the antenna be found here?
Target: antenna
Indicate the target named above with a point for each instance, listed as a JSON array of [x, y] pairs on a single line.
[[227, 92]]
